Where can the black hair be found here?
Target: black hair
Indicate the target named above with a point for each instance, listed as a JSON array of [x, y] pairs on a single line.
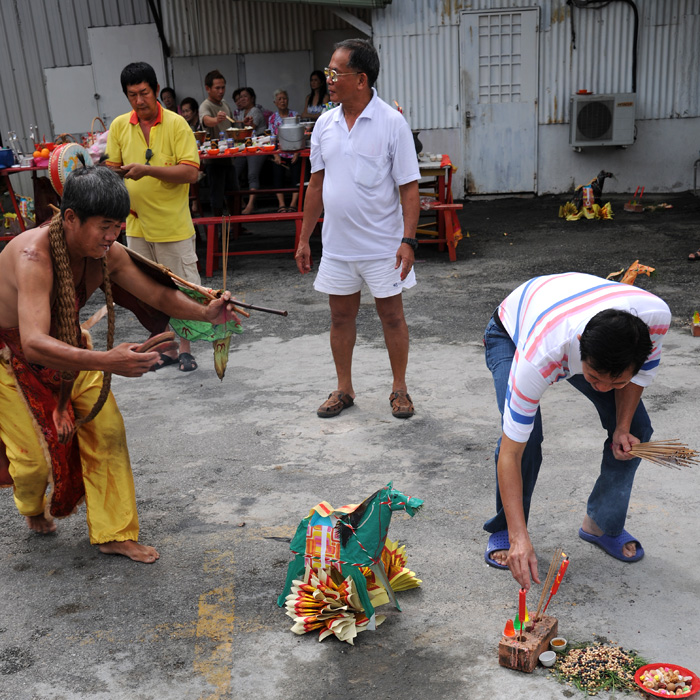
[[191, 102], [249, 90], [136, 73], [363, 58], [167, 89], [211, 76], [615, 341], [95, 191], [322, 90]]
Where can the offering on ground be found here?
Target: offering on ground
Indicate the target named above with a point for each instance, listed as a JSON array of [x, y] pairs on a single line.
[[593, 667]]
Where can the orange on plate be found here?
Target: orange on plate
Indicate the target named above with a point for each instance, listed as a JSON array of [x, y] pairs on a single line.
[[36, 154], [45, 153]]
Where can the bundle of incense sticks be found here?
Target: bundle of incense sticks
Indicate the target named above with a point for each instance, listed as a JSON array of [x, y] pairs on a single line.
[[667, 453], [225, 236], [553, 567]]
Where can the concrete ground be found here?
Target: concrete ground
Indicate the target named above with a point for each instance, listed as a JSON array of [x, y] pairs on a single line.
[[225, 470]]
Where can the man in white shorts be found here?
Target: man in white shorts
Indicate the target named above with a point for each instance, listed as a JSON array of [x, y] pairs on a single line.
[[365, 180]]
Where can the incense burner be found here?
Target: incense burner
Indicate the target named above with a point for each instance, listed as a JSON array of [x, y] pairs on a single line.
[[522, 651]]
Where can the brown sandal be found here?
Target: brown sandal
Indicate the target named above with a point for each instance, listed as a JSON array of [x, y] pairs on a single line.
[[336, 402], [401, 404]]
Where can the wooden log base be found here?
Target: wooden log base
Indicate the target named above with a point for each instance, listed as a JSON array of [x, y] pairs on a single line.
[[522, 653]]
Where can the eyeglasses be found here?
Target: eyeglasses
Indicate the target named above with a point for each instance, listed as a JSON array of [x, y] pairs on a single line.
[[149, 155], [333, 75]]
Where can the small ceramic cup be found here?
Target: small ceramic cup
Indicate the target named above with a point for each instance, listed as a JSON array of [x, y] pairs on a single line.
[[558, 644], [547, 658]]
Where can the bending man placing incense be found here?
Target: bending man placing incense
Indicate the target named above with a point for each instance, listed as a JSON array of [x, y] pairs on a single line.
[[605, 339], [58, 420]]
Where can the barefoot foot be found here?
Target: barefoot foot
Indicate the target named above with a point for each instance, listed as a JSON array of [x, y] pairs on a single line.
[[131, 549], [40, 524], [590, 526]]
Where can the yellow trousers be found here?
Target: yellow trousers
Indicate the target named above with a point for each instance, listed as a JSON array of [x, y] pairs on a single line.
[[109, 484]]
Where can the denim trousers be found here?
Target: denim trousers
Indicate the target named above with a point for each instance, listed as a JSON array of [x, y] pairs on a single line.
[[609, 500]]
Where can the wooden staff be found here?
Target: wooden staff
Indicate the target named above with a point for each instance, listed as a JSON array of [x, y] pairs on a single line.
[[207, 293], [196, 287], [279, 312]]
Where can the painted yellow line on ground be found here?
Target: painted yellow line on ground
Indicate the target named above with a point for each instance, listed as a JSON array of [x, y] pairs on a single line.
[[214, 637]]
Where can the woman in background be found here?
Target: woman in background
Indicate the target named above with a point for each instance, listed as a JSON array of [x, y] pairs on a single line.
[[250, 115], [167, 97], [317, 99], [283, 163], [190, 111]]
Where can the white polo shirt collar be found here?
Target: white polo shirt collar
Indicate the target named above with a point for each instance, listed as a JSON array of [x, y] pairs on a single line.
[[367, 112]]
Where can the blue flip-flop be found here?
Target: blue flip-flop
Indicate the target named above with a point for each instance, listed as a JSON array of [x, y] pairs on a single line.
[[497, 541], [613, 545]]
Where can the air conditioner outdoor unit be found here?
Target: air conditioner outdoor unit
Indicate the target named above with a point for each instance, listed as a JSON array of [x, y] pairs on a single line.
[[602, 120]]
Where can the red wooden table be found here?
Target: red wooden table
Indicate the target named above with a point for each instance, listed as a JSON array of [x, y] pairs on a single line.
[[211, 222], [5, 174]]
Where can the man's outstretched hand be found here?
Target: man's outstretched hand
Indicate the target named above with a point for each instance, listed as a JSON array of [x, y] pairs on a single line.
[[221, 310]]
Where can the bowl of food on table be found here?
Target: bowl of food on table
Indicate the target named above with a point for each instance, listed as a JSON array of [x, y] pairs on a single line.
[[239, 134]]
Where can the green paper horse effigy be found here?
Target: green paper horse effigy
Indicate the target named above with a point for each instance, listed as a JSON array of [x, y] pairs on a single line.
[[348, 539]]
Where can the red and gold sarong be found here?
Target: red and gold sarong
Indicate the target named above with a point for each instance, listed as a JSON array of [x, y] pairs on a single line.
[[40, 387]]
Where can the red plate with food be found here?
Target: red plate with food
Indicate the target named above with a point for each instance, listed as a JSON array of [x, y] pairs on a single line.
[[665, 680]]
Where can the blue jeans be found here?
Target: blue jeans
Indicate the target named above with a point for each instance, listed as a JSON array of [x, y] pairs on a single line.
[[609, 500]]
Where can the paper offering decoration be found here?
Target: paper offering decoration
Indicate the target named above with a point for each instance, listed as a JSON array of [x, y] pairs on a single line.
[[344, 566], [218, 335], [630, 275], [587, 201]]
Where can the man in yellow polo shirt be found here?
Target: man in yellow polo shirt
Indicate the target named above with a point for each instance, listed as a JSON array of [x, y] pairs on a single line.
[[156, 152]]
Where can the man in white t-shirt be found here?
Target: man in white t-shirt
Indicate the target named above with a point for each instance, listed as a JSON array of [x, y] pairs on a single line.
[[365, 180], [605, 339]]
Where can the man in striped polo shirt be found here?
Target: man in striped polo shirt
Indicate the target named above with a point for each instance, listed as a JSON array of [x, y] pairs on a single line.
[[605, 339]]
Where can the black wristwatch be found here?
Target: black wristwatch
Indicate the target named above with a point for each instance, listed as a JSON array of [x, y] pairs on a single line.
[[412, 242]]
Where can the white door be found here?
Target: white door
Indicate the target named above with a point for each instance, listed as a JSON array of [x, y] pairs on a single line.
[[498, 78], [112, 48]]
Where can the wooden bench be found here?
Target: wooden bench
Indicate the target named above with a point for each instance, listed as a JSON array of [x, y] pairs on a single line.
[[212, 239]]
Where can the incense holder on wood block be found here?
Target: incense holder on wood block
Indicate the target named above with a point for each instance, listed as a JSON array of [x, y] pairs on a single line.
[[522, 652], [695, 328], [634, 207]]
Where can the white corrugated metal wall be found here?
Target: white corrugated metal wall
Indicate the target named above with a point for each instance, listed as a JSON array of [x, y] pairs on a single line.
[[421, 37], [38, 34], [215, 27], [418, 42]]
